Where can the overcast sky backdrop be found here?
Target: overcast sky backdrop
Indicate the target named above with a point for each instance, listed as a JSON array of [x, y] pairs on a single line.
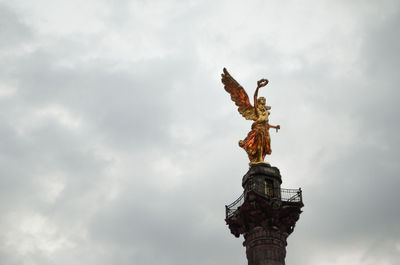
[[118, 143]]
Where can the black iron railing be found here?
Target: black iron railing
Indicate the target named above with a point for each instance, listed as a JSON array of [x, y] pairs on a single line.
[[231, 208], [285, 195], [291, 195]]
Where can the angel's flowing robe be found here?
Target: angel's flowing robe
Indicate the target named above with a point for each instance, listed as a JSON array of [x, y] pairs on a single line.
[[257, 140]]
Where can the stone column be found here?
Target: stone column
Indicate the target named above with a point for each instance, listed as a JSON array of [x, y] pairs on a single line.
[[265, 246]]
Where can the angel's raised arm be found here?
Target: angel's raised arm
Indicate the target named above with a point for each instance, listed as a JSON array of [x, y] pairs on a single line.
[[260, 83]]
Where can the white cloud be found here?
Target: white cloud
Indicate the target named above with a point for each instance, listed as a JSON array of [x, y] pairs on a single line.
[[34, 233], [7, 91]]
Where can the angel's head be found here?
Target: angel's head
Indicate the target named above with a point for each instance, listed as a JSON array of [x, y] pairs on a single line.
[[261, 101]]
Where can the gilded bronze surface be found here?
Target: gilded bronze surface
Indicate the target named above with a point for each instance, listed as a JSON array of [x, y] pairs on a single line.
[[257, 144]]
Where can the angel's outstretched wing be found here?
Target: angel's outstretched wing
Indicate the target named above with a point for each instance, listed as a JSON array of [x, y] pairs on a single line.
[[239, 96]]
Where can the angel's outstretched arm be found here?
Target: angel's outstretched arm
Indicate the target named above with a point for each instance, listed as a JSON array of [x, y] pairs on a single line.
[[277, 127]]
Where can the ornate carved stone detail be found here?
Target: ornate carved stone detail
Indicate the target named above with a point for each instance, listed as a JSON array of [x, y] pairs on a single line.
[[258, 211]]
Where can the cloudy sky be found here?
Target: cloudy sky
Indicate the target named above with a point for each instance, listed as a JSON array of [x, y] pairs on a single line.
[[118, 143]]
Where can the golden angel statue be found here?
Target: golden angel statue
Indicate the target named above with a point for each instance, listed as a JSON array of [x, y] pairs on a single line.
[[257, 144]]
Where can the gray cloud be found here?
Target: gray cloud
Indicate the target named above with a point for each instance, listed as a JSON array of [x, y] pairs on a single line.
[[13, 30]]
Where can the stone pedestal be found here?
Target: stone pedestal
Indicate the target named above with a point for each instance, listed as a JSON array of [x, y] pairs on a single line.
[[265, 215]]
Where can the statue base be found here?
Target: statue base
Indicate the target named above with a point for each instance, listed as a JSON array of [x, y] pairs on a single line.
[[259, 163]]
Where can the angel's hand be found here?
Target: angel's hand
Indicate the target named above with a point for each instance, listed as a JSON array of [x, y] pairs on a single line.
[[262, 82], [277, 127]]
